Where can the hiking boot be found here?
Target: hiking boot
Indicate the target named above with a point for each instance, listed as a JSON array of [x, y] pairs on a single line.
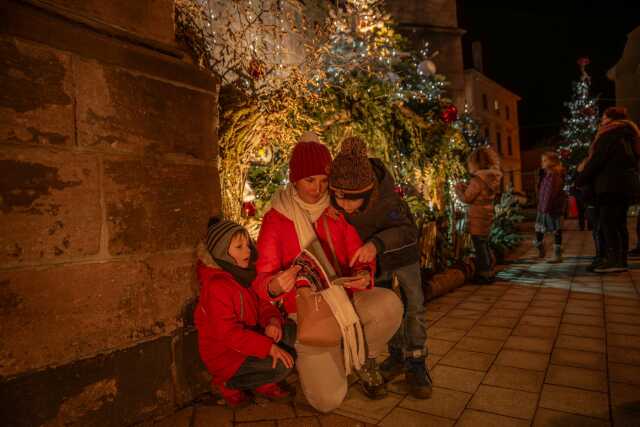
[[597, 261], [418, 378], [557, 254], [371, 380], [235, 398], [611, 265], [393, 366], [540, 246], [634, 253], [274, 393]]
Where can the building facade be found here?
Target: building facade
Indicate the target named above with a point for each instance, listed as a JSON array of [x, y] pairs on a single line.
[[626, 75], [496, 109]]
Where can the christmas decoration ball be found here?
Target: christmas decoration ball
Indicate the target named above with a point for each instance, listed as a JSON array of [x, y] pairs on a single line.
[[427, 67], [399, 190], [450, 114], [564, 153]]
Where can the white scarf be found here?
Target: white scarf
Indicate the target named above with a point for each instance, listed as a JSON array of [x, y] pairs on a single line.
[[304, 215]]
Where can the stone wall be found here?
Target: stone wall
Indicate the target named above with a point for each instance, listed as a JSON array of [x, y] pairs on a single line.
[[108, 166]]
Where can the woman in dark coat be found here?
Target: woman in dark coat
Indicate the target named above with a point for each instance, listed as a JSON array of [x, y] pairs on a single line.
[[612, 171]]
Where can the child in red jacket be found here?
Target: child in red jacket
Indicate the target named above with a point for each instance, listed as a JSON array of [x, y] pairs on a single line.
[[238, 333]]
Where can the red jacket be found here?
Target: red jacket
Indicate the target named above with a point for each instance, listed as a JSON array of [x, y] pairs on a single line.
[[230, 320], [278, 246]]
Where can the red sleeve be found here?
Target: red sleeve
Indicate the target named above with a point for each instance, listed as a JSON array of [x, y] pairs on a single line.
[[266, 312], [353, 243], [229, 329], [269, 257]]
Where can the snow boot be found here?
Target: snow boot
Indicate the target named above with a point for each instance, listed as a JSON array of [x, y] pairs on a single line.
[[372, 381], [393, 366], [418, 378]]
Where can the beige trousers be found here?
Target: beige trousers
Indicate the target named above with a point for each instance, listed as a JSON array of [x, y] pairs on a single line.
[[321, 369]]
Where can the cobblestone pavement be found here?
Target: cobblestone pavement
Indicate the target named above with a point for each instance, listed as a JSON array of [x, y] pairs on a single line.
[[547, 345]]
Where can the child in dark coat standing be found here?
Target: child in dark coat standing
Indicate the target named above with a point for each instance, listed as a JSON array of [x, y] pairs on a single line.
[[238, 333], [364, 190], [551, 205], [479, 194]]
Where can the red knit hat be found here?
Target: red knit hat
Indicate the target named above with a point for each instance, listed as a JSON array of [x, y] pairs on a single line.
[[308, 158]]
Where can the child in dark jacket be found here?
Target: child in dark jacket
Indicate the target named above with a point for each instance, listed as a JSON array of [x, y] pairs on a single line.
[[479, 193], [551, 205], [238, 333], [364, 190]]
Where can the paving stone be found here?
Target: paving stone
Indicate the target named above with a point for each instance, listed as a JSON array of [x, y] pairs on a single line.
[[490, 332], [443, 403], [549, 418], [456, 323], [181, 418], [540, 345], [432, 360], [545, 312], [439, 347], [511, 403], [213, 416], [627, 374], [446, 334], [503, 312], [468, 359], [578, 358], [579, 343], [623, 318], [579, 319], [471, 418], [587, 379], [335, 420], [465, 314], [566, 399], [523, 359], [434, 316], [514, 378], [535, 331], [623, 309], [481, 345], [511, 305], [456, 378], [625, 404], [476, 306], [582, 330], [264, 412], [586, 311], [622, 301], [357, 405], [300, 422], [407, 418], [585, 303], [626, 341], [622, 328], [623, 355]]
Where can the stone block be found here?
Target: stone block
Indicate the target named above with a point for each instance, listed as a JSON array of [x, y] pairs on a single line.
[[510, 403], [191, 379], [119, 111], [523, 360], [36, 94], [49, 206], [77, 311], [443, 403], [155, 206], [566, 399], [147, 18]]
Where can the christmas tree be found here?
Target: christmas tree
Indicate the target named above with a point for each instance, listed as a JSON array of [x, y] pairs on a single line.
[[580, 125]]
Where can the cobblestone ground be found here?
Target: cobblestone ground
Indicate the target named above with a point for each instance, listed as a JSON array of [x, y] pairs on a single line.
[[547, 345]]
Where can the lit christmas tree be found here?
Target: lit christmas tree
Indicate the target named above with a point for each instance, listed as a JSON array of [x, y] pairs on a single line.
[[581, 124]]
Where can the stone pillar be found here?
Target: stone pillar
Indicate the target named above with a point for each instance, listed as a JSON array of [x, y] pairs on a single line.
[[108, 176]]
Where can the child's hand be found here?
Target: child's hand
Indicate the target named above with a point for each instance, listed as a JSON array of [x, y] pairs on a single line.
[[284, 281], [279, 354], [365, 254], [274, 330], [360, 283]]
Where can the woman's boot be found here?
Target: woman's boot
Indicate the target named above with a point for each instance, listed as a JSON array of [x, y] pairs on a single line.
[[371, 380], [418, 378], [539, 244], [557, 254]]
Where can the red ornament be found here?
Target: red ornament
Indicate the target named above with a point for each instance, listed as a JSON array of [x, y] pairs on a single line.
[[399, 190], [249, 209], [583, 61], [589, 111], [449, 114], [564, 153]]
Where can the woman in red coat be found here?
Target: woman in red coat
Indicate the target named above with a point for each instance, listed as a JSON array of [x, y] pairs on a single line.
[[300, 215]]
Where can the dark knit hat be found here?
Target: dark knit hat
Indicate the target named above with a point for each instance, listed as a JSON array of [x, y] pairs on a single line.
[[218, 239], [351, 171], [308, 158]]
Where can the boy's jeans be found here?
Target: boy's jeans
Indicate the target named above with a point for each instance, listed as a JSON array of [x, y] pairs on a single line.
[[255, 372], [411, 338], [483, 256]]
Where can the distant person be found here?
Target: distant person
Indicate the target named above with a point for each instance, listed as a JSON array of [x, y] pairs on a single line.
[[484, 166], [551, 205], [242, 340], [612, 170]]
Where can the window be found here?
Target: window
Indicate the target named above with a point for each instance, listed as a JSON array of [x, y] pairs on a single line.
[[485, 102], [507, 112], [499, 142], [496, 107], [509, 146]]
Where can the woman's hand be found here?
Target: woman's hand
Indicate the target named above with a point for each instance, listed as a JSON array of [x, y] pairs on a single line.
[[284, 281], [365, 254], [360, 283], [274, 330], [279, 354]]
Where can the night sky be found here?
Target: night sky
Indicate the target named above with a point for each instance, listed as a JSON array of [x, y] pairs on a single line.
[[531, 48]]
